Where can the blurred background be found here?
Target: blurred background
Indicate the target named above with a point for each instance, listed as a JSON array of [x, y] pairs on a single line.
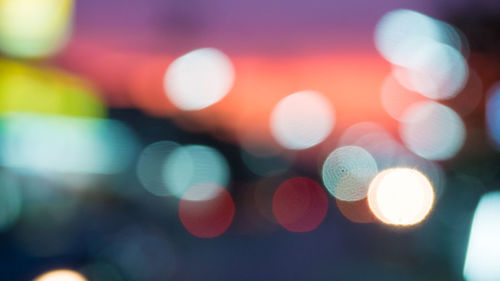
[[249, 140]]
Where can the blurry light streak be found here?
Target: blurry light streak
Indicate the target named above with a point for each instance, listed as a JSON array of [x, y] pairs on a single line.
[[400, 196], [34, 28], [57, 144], [206, 218], [43, 90], [482, 261], [61, 275], [432, 131], [199, 79], [347, 172], [300, 204], [261, 82], [302, 120]]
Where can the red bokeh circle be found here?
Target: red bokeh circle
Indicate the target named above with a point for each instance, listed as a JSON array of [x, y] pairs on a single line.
[[207, 218], [300, 204]]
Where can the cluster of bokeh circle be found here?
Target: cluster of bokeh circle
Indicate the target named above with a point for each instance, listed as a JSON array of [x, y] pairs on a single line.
[[371, 174]]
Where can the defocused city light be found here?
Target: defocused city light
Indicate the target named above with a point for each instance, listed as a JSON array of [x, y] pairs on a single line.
[[300, 204], [34, 28], [199, 79], [150, 167], [347, 172], [61, 275], [195, 165], [206, 218], [482, 261], [57, 144], [400, 196], [432, 130], [302, 120]]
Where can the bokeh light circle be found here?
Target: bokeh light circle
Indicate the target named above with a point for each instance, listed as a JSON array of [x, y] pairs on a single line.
[[150, 167], [199, 79], [206, 218], [61, 275], [300, 204], [396, 98], [432, 131], [435, 70], [400, 33], [302, 120], [400, 196], [192, 165], [347, 172]]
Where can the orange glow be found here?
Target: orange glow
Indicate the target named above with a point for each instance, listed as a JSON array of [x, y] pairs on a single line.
[[350, 81]]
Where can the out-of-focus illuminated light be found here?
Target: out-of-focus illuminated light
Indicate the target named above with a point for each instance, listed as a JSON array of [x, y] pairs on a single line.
[[396, 99], [493, 114], [48, 144], [347, 172], [482, 261], [469, 98], [199, 79], [300, 204], [355, 132], [400, 196], [61, 275], [356, 211], [34, 28], [10, 201], [401, 33], [150, 167], [27, 89], [432, 130], [192, 165], [435, 70], [431, 170], [302, 120], [206, 218], [374, 139]]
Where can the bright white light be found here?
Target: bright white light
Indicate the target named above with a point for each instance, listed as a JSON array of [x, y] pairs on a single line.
[[435, 70], [199, 79], [61, 275], [482, 261], [347, 172], [33, 28], [302, 120], [401, 33], [432, 130], [400, 196]]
